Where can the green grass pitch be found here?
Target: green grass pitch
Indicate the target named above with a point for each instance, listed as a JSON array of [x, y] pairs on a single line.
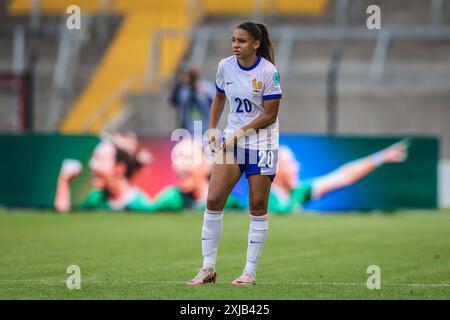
[[150, 256]]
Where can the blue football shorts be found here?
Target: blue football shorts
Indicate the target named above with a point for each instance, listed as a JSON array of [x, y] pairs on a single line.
[[257, 162]]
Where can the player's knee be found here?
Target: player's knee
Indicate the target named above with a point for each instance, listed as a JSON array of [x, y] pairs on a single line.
[[258, 207], [215, 203]]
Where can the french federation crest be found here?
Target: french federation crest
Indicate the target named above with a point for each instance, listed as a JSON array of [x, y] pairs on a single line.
[[257, 86]]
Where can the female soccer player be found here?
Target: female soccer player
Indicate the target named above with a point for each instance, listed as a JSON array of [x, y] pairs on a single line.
[[251, 83]]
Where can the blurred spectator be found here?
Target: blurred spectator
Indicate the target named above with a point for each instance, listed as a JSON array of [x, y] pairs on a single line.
[[192, 94]]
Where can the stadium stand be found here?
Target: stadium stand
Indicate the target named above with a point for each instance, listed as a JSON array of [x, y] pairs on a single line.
[[409, 95], [123, 64]]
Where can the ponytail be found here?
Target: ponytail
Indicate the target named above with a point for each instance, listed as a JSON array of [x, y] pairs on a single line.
[[259, 32], [265, 48]]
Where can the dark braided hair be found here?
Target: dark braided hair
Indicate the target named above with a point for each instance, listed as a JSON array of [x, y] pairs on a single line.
[[258, 31]]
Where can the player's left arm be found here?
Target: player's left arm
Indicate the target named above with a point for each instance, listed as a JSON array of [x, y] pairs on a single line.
[[265, 119], [354, 171]]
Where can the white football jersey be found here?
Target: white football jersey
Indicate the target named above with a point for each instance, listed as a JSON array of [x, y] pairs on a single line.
[[246, 89]]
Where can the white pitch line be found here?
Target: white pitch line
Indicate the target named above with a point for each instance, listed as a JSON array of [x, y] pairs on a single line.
[[341, 284]]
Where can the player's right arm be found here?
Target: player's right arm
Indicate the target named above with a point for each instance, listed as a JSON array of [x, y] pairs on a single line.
[[216, 109], [217, 106]]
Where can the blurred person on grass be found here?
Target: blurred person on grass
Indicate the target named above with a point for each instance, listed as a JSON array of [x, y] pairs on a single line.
[[114, 161], [289, 194]]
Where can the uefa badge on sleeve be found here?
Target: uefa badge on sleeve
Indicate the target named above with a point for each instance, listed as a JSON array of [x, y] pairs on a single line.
[[276, 79]]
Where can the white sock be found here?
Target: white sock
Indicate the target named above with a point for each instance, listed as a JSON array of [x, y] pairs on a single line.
[[257, 235], [211, 233]]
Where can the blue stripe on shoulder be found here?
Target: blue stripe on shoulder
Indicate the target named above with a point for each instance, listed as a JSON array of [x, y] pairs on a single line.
[[220, 90], [272, 96]]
